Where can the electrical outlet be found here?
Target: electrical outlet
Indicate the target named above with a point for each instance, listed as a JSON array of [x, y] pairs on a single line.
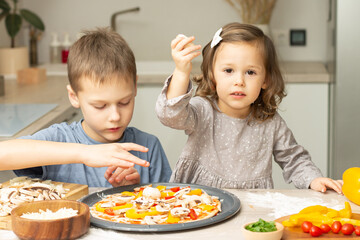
[[280, 37]]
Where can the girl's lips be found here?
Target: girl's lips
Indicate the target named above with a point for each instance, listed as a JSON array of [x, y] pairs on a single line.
[[238, 94]]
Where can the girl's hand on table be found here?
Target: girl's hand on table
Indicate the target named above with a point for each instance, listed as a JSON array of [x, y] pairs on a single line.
[[122, 176], [113, 154], [322, 184]]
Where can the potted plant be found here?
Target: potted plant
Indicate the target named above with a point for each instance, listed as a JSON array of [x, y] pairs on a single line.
[[16, 58]]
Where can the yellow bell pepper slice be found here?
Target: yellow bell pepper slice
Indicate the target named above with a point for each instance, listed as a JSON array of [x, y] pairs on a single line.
[[167, 194], [172, 219], [346, 212], [126, 193], [206, 207], [161, 188], [315, 208], [131, 213], [195, 192], [100, 209]]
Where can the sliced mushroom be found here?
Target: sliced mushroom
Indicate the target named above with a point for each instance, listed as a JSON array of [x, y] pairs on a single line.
[[182, 192], [180, 212], [163, 207], [54, 196], [28, 192], [46, 195]]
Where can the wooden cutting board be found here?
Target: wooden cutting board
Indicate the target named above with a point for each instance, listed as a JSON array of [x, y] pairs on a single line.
[[297, 233], [76, 192]]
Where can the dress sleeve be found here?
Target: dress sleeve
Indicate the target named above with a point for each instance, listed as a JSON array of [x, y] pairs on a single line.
[[293, 158], [177, 112]]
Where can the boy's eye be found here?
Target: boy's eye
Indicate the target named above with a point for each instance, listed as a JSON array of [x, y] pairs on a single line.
[[124, 103], [228, 70], [99, 107]]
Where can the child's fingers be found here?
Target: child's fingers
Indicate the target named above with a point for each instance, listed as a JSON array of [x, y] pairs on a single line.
[[119, 174], [109, 171], [133, 176], [126, 159], [133, 147]]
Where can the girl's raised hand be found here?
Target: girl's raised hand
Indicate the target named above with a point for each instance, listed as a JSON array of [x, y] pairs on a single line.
[[112, 154], [183, 51]]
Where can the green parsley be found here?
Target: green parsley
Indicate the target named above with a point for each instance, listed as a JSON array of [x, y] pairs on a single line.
[[261, 226]]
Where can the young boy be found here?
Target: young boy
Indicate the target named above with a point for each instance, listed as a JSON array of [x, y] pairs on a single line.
[[102, 76]]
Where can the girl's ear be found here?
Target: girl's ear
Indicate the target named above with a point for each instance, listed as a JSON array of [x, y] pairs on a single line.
[[264, 85], [73, 97]]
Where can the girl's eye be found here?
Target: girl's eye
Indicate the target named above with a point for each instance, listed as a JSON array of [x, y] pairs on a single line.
[[250, 72], [228, 70]]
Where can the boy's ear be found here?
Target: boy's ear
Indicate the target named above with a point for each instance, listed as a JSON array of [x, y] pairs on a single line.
[[73, 97], [137, 77]]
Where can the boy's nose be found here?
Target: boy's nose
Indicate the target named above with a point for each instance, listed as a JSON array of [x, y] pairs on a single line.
[[114, 114]]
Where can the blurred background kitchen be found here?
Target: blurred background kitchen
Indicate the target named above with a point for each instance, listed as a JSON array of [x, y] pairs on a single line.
[[315, 40]]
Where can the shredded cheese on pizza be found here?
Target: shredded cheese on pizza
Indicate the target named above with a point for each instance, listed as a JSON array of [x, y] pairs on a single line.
[[157, 205]]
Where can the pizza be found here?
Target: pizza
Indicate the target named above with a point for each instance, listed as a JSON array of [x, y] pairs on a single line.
[[149, 205]]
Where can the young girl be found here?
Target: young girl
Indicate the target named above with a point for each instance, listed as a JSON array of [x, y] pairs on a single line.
[[232, 123]]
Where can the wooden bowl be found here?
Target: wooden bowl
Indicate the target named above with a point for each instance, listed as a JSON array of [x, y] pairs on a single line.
[[65, 228], [275, 235]]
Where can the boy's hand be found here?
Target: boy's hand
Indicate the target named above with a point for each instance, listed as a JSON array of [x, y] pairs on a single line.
[[183, 51], [113, 154], [321, 184], [122, 176]]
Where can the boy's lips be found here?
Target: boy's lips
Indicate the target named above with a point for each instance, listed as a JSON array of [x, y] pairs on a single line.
[[114, 129]]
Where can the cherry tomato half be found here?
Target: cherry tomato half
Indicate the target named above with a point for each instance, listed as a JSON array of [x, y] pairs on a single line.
[[325, 228], [305, 226], [357, 230], [347, 229], [315, 231], [336, 227]]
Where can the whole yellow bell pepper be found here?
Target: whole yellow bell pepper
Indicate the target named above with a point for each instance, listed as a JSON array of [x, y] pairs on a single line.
[[351, 187]]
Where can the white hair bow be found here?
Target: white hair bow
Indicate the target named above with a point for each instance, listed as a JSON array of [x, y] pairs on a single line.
[[216, 39]]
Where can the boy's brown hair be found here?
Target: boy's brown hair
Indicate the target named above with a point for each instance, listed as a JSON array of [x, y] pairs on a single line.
[[266, 104], [100, 54]]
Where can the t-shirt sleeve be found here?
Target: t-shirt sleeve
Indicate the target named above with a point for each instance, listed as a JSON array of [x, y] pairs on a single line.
[[293, 158]]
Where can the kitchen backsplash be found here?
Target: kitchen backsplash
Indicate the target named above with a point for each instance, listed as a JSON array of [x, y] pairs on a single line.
[[150, 30]]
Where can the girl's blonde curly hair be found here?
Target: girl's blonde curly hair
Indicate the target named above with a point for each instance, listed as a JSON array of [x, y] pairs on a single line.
[[265, 106]]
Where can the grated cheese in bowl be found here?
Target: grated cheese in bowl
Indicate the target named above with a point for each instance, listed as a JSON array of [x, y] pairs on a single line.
[[49, 215]]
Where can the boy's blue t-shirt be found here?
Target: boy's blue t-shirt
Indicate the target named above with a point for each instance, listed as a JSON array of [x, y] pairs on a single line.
[[158, 171]]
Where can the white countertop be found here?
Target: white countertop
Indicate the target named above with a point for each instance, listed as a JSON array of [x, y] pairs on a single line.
[[155, 72], [255, 204]]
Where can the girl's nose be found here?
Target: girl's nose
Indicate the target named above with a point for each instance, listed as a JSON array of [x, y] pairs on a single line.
[[240, 80]]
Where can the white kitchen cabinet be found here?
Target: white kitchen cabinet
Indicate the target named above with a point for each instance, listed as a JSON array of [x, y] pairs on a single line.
[[145, 119], [306, 112]]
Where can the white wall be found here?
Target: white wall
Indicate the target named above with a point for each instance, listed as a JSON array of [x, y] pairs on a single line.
[[150, 31]]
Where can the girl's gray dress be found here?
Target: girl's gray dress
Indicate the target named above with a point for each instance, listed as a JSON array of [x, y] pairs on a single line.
[[226, 152]]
